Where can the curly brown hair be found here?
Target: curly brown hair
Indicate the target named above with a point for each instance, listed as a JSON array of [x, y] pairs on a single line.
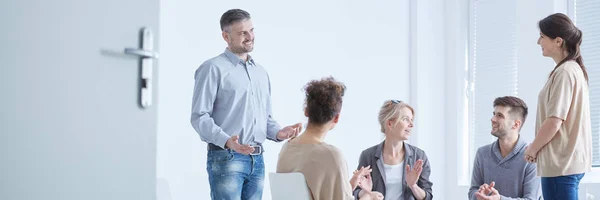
[[323, 99]]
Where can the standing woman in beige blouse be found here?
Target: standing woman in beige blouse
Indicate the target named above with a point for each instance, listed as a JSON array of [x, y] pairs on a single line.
[[562, 146]]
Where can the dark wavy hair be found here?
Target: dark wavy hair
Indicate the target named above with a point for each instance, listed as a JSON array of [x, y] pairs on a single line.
[[323, 99]]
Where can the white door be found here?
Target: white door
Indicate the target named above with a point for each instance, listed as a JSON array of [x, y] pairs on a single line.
[[72, 124]]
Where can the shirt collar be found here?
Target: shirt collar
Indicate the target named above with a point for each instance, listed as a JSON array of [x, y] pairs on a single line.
[[234, 59], [518, 146]]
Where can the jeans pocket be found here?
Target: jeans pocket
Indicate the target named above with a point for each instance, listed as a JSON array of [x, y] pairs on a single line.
[[219, 156]]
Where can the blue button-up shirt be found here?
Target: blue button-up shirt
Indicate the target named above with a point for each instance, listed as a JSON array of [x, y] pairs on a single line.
[[233, 97]]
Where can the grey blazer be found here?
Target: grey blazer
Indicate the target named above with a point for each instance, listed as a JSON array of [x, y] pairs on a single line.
[[372, 155]]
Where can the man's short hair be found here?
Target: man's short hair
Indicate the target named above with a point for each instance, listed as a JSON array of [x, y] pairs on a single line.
[[518, 108], [233, 16]]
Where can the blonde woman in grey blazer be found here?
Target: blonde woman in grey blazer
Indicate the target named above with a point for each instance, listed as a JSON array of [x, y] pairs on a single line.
[[400, 171]]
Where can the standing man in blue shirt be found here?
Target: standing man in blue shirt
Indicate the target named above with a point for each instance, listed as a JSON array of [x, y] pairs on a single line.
[[231, 111]]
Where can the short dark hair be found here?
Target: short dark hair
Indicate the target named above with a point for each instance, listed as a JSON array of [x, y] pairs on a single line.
[[233, 16], [323, 99], [517, 106]]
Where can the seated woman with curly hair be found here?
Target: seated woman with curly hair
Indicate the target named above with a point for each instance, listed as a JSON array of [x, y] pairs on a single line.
[[322, 164]]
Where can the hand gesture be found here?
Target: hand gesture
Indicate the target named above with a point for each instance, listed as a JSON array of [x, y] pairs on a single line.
[[364, 182], [233, 144], [530, 156], [487, 192], [412, 175], [289, 131], [372, 196], [358, 174]]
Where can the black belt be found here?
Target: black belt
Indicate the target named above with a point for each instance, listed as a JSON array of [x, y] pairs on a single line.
[[258, 149]]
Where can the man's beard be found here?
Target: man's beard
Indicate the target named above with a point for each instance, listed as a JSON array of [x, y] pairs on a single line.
[[499, 133], [243, 49]]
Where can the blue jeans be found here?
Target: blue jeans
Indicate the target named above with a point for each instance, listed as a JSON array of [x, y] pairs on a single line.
[[235, 176], [561, 187]]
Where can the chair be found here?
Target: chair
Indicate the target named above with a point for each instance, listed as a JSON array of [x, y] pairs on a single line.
[[289, 186]]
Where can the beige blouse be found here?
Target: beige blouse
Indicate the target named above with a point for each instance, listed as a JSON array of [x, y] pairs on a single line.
[[566, 96], [323, 166]]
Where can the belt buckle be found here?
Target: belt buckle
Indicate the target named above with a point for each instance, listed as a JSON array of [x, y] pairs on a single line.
[[257, 150]]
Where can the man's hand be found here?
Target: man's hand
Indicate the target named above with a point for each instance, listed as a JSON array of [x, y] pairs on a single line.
[[487, 192], [289, 131], [485, 188], [233, 144]]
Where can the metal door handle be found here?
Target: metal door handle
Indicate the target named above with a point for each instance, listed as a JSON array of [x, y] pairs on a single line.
[[141, 53], [147, 57]]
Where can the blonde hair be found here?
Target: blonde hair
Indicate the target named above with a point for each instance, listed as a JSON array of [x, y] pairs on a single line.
[[391, 111]]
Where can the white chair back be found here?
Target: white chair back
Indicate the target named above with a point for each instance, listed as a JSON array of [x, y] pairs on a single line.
[[289, 186]]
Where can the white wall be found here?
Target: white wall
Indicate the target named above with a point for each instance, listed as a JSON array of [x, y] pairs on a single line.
[[427, 94], [456, 50], [363, 44]]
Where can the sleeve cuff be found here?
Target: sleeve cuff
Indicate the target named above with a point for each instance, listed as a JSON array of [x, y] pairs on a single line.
[[356, 193], [221, 140], [272, 133]]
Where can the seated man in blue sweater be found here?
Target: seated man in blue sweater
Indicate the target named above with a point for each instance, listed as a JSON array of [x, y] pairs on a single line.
[[499, 171]]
